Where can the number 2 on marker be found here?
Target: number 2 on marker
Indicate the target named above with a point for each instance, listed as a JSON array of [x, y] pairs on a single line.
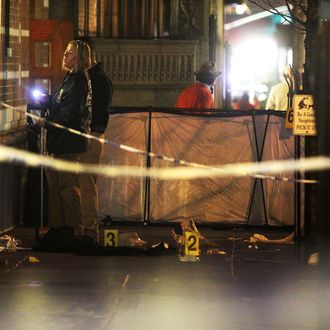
[[191, 243]]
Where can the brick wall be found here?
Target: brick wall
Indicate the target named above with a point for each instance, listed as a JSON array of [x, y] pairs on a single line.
[[14, 62], [14, 79]]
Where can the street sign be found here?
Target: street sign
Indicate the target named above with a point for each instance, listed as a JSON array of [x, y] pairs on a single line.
[[303, 115]]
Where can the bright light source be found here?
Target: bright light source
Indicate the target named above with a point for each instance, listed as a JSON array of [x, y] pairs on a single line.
[[37, 94], [240, 9], [252, 61]]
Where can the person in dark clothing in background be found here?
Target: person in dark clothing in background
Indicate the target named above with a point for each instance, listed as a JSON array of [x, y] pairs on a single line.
[[244, 102], [102, 90], [67, 106]]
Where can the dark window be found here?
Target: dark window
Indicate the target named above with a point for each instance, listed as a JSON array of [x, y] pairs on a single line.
[[124, 18]]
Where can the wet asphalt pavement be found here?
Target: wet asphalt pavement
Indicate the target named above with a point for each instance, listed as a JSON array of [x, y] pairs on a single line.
[[242, 286]]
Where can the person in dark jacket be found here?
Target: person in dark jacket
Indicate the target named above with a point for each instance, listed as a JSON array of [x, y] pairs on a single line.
[[67, 107], [102, 91]]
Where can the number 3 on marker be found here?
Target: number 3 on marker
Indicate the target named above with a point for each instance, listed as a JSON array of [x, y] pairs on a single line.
[[111, 237], [191, 243]]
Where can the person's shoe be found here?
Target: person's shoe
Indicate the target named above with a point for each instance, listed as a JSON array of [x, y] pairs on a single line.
[[92, 232]]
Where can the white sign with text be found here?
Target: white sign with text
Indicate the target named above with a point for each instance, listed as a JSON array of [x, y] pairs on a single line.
[[304, 116]]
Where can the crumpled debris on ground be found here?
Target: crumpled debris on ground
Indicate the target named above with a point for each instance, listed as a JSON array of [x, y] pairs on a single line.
[[30, 259], [216, 251], [131, 240], [190, 226], [313, 259], [9, 243], [160, 245], [33, 259], [261, 238], [234, 239], [189, 258]]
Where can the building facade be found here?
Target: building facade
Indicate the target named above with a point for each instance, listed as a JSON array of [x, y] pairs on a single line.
[[150, 49]]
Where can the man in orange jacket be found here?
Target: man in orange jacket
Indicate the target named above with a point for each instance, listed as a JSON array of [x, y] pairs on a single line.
[[199, 95]]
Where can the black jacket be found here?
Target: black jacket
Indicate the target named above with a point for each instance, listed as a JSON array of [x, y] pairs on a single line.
[[102, 91], [68, 108]]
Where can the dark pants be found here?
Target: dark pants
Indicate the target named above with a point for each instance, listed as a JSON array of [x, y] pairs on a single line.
[[64, 197]]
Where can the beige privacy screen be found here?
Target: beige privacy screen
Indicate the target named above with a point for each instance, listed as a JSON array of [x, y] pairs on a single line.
[[212, 140]]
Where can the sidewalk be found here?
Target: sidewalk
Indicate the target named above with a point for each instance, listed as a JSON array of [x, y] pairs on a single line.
[[240, 286]]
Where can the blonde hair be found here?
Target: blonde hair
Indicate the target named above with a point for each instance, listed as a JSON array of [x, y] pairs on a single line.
[[83, 57]]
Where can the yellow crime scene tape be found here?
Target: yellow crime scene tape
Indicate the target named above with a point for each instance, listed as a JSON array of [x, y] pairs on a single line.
[[191, 170]]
